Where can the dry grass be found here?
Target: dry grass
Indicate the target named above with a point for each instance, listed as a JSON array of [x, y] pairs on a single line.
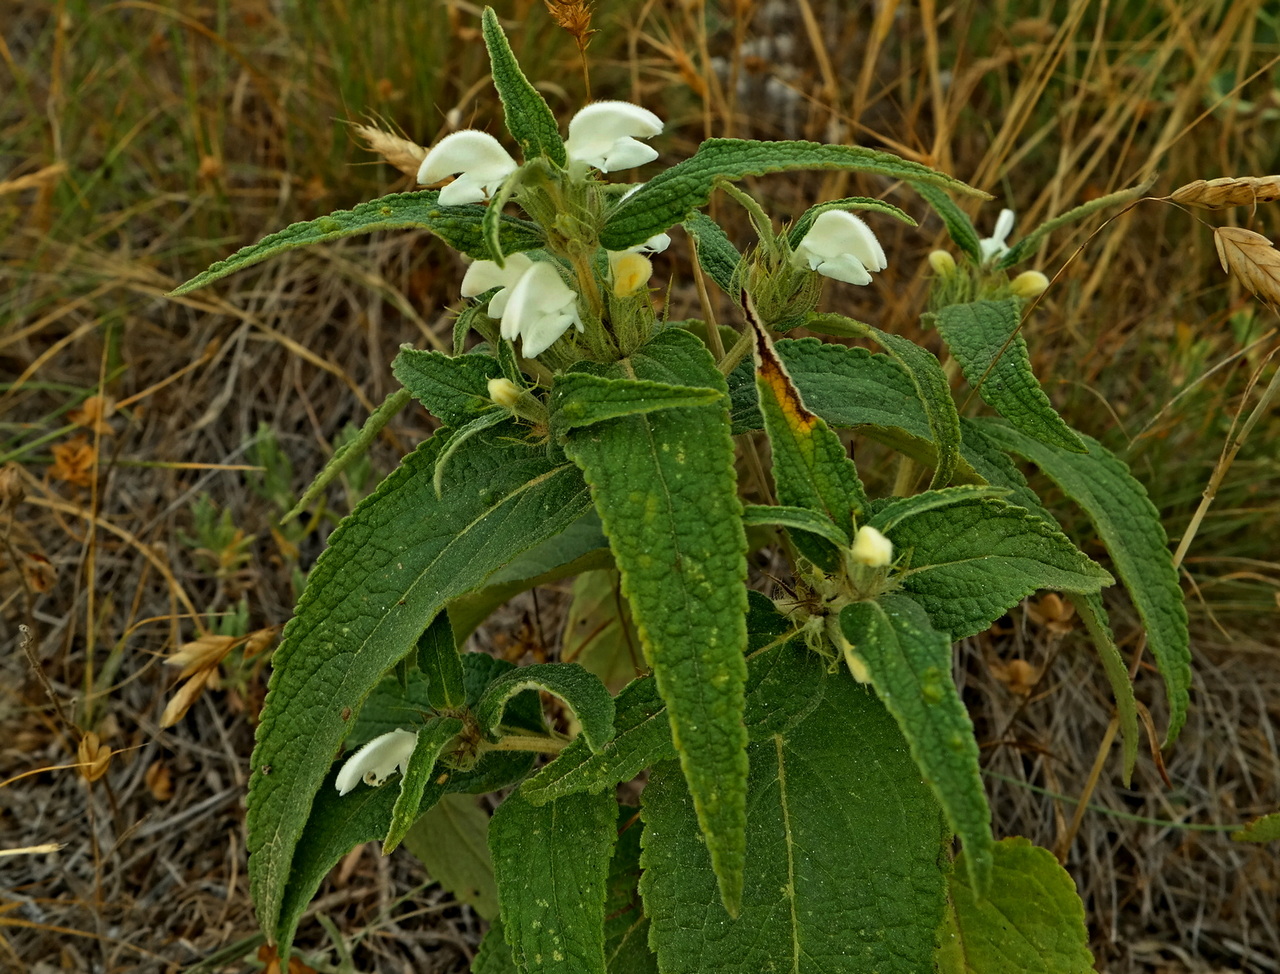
[[140, 141]]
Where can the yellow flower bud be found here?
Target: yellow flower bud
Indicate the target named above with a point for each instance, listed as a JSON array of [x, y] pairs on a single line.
[[942, 262], [871, 548], [504, 392], [631, 272], [1028, 284]]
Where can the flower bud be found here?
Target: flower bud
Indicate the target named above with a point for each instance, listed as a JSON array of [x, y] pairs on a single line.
[[942, 262], [631, 272], [871, 548], [504, 392], [1029, 284]]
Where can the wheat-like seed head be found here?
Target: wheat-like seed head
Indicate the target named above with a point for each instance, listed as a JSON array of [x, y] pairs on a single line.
[[1227, 191], [1252, 258], [404, 155]]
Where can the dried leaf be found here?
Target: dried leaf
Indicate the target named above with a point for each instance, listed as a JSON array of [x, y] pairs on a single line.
[[1227, 191], [203, 653], [94, 757], [260, 640], [159, 781], [74, 461], [1252, 258], [1017, 676], [94, 413], [11, 490], [1053, 612], [404, 155], [38, 571]]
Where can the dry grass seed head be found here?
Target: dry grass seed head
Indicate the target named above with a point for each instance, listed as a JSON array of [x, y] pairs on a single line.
[[400, 152], [1252, 258], [1228, 191]]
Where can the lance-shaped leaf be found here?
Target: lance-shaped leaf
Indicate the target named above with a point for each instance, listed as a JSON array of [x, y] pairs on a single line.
[[795, 519], [599, 632], [528, 117], [1028, 244], [1030, 919], [581, 691], [902, 508], [1130, 527], [783, 685], [552, 864], [802, 225], [1094, 616], [432, 738], [933, 391], [441, 666], [582, 399], [673, 194], [452, 841], [716, 253], [664, 485], [389, 569], [453, 388], [984, 338], [494, 956], [811, 468], [350, 451], [971, 561], [910, 666], [458, 226], [843, 848], [959, 227]]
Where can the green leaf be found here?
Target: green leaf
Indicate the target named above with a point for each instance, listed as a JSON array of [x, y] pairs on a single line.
[[795, 519], [1031, 918], [581, 399], [451, 841], [626, 928], [1027, 245], [552, 865], [453, 388], [432, 738], [461, 436], [599, 632], [959, 227], [441, 666], [843, 847], [973, 560], [910, 666], [932, 390], [783, 684], [1094, 616], [350, 451], [664, 485], [901, 508], [669, 197], [717, 255], [581, 691], [528, 117], [984, 338], [802, 225], [388, 570], [1264, 829], [494, 956], [1130, 527], [811, 468], [458, 226]]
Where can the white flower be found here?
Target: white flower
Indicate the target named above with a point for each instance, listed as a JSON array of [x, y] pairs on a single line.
[[479, 159], [841, 246], [540, 309], [631, 271], [605, 135], [871, 548], [994, 245], [375, 762], [486, 274]]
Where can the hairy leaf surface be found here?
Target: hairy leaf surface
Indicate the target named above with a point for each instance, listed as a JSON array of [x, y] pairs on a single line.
[[529, 118], [581, 691], [843, 847], [582, 399], [453, 388]]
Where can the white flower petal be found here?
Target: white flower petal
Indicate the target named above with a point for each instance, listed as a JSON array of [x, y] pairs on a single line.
[[604, 135], [994, 245], [871, 548], [375, 762], [841, 246], [479, 158], [486, 274], [540, 309]]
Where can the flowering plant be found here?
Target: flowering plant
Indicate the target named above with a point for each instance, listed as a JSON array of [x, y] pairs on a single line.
[[810, 763]]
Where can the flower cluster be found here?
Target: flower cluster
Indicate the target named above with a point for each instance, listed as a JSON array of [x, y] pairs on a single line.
[[534, 302]]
